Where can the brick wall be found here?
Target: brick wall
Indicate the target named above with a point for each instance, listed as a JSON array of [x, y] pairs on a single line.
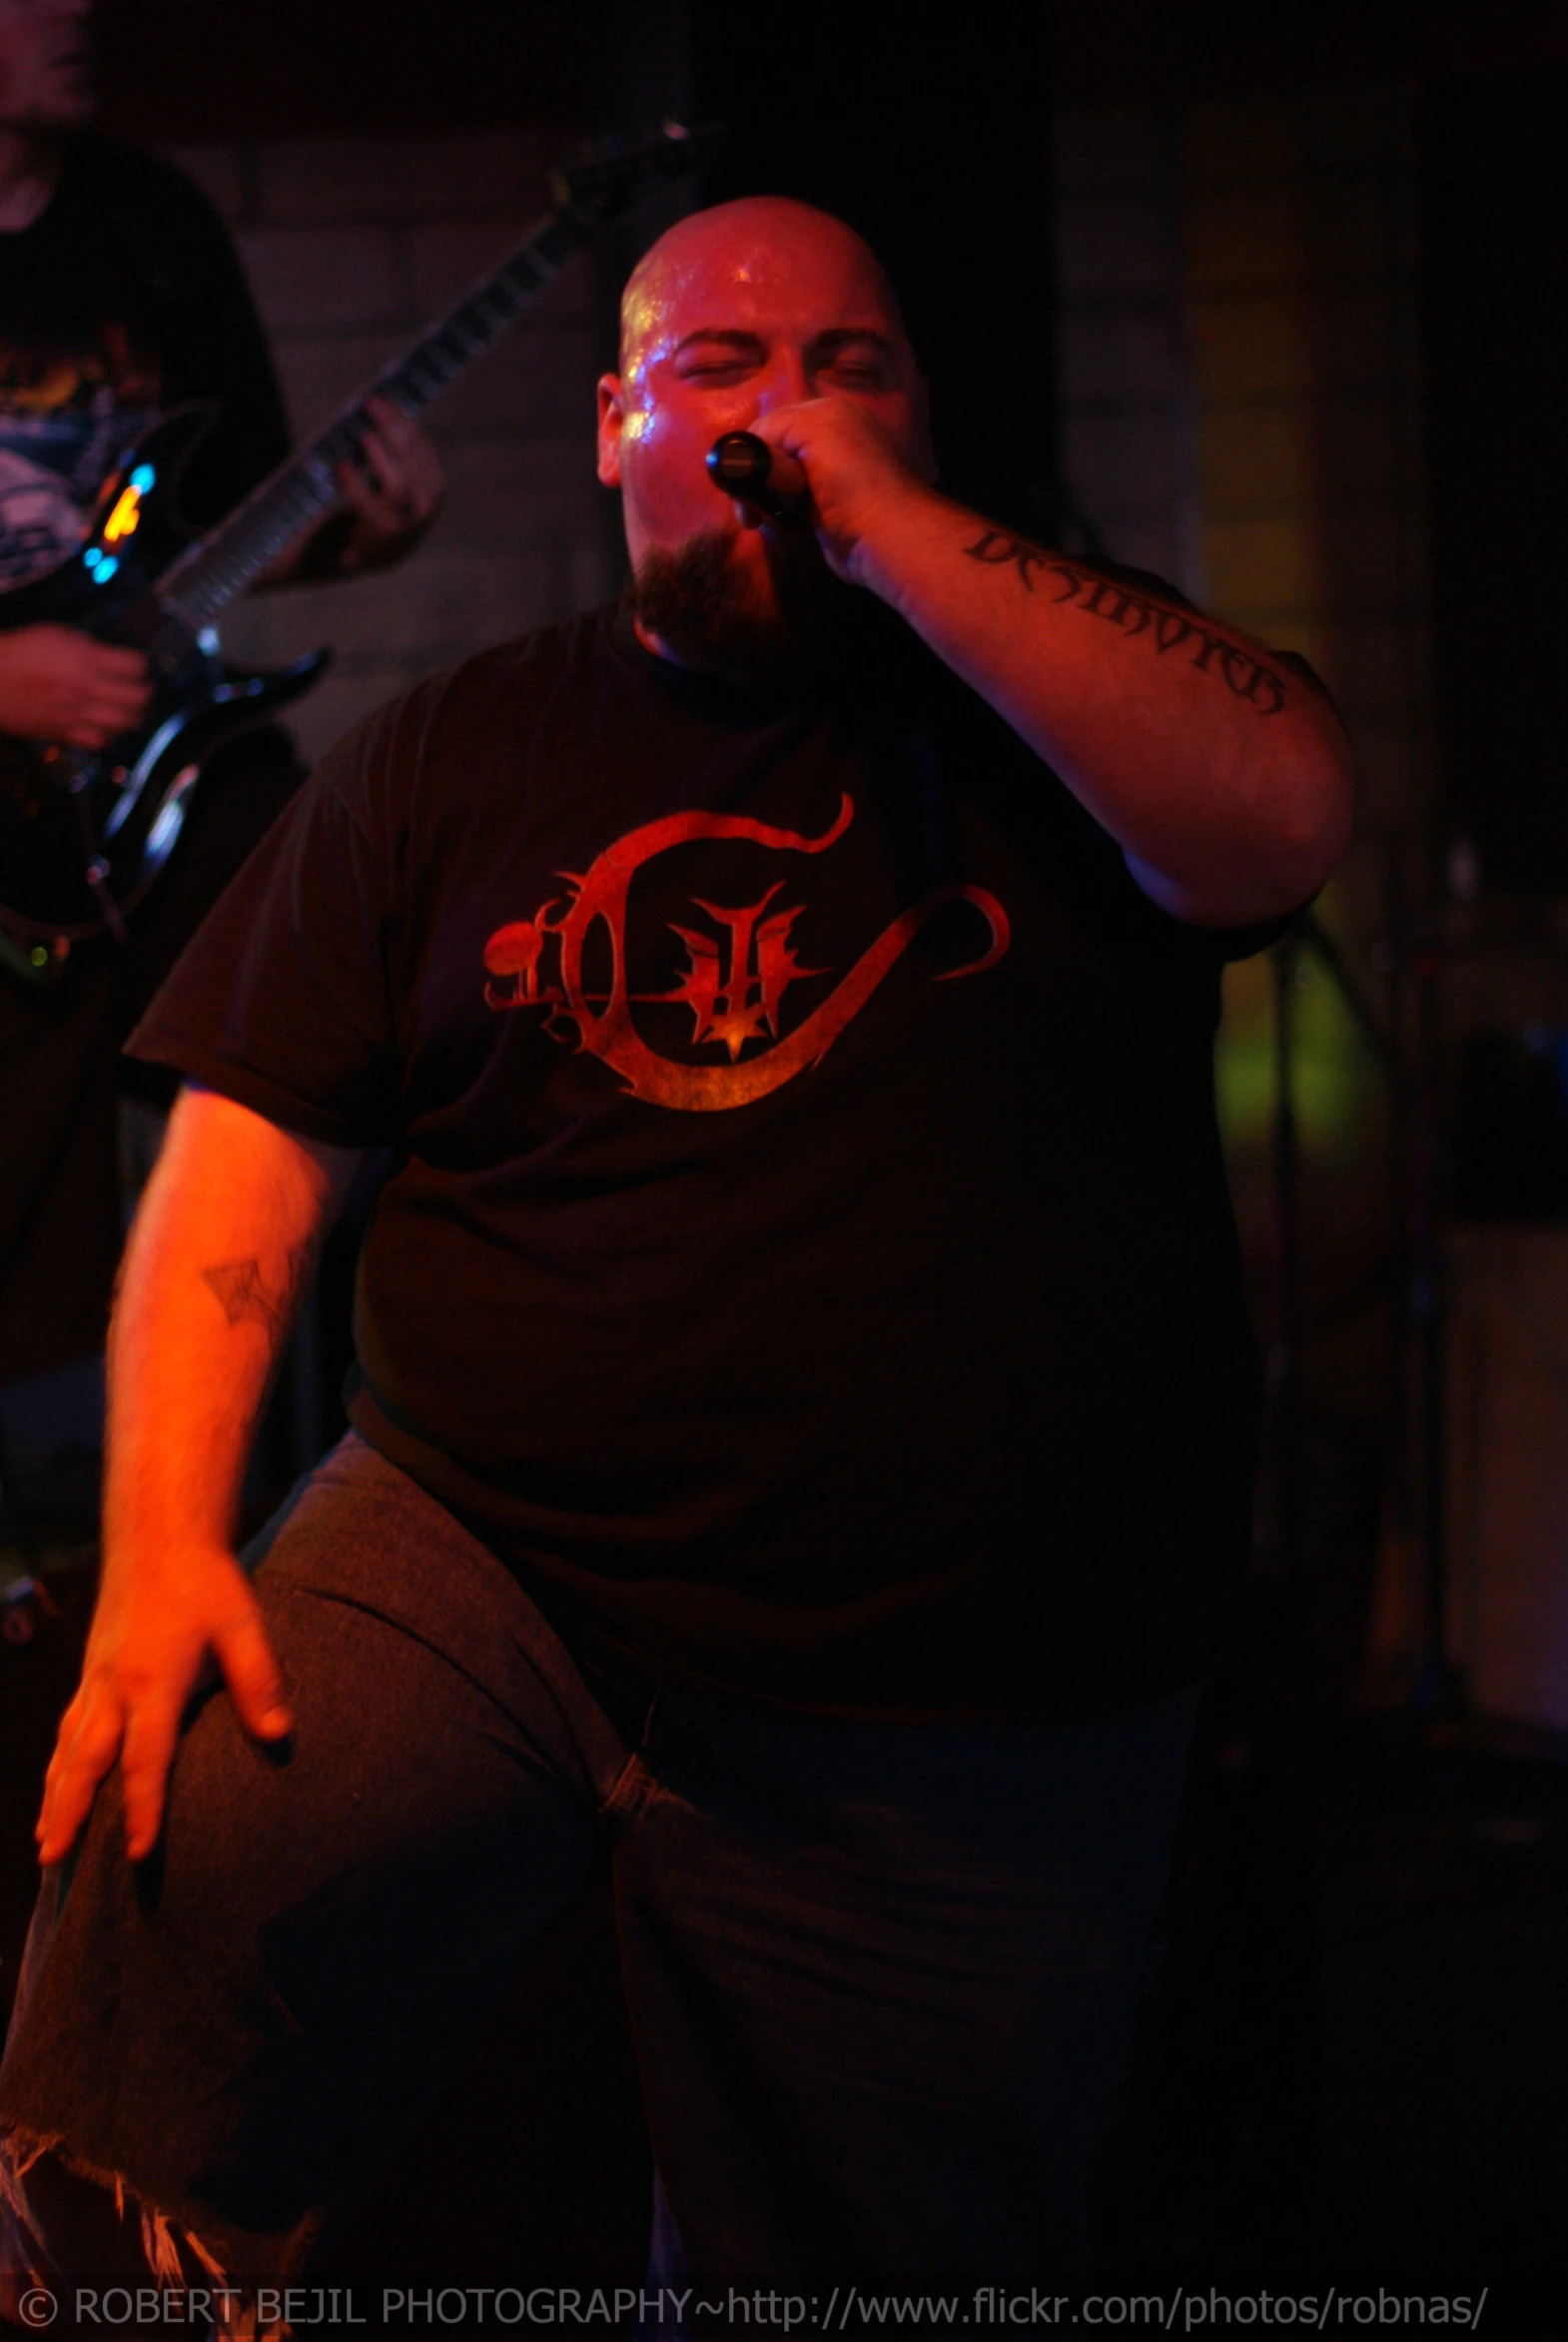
[[1240, 386], [353, 246], [1241, 412], [1125, 371]]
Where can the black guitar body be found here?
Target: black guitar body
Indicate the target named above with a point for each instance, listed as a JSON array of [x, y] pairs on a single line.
[[82, 834]]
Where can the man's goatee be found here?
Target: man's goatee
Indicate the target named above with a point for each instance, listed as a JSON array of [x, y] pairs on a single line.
[[713, 614]]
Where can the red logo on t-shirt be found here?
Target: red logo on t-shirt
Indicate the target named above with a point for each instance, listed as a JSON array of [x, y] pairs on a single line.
[[735, 980]]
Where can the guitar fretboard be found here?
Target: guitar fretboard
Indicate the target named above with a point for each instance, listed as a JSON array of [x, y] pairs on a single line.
[[212, 574]]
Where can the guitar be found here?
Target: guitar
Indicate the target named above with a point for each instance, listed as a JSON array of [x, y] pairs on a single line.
[[83, 834]]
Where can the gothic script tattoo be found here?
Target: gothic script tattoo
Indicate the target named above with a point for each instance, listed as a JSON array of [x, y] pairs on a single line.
[[243, 1292], [1134, 613]]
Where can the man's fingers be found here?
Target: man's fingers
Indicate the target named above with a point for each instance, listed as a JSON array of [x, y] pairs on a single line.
[[59, 684], [252, 1674], [384, 461], [77, 1767], [116, 664], [403, 458], [118, 708], [359, 490], [398, 440], [394, 490], [109, 696], [381, 471], [58, 1768], [92, 1718], [112, 699], [95, 731], [150, 1736], [425, 475]]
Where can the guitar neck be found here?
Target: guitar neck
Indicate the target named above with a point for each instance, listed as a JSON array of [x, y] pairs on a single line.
[[211, 574]]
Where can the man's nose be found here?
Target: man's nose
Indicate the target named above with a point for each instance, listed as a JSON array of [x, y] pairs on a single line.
[[784, 382]]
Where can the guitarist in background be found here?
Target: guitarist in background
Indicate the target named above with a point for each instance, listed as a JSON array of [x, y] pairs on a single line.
[[121, 296]]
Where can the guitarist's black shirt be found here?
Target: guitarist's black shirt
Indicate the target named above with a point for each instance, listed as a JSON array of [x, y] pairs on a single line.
[[121, 299], [807, 1259]]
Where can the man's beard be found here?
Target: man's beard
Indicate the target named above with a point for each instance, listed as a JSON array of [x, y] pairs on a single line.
[[715, 614]]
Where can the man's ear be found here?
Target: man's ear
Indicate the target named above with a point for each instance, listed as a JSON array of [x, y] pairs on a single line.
[[611, 417]]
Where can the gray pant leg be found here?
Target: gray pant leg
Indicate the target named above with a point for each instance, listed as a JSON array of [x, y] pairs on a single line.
[[883, 1982], [244, 2028]]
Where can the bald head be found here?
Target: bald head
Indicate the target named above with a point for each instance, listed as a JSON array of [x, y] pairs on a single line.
[[738, 315], [740, 248]]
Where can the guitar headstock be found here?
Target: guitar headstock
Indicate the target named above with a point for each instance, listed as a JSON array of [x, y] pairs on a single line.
[[606, 176]]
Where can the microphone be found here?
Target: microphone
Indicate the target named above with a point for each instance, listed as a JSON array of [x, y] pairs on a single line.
[[745, 468]]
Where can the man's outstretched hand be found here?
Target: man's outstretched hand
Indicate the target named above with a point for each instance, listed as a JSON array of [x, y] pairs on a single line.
[[154, 1632]]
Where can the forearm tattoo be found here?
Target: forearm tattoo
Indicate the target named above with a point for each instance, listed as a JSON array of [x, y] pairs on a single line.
[[1134, 613], [244, 1292]]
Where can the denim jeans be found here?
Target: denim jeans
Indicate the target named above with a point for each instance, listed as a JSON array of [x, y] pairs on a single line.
[[881, 1979]]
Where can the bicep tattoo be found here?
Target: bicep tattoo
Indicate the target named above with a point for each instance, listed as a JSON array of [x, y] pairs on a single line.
[[1134, 613]]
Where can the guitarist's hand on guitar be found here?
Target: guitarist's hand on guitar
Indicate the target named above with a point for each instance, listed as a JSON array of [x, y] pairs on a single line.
[[390, 500], [57, 684], [394, 492]]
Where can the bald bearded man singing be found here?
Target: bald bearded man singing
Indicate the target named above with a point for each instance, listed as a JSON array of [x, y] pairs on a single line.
[[803, 1425]]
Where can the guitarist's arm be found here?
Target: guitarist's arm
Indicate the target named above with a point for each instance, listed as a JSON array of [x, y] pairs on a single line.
[[391, 499]]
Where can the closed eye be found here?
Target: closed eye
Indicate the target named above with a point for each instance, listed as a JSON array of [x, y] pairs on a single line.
[[862, 360], [709, 356]]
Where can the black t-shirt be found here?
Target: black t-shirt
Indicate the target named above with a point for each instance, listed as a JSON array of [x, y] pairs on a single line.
[[807, 1256], [121, 299]]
